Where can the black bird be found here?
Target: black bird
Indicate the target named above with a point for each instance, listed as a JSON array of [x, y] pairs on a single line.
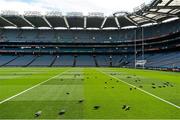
[[127, 108], [62, 112], [167, 84], [37, 114], [124, 106], [128, 77], [81, 101], [96, 107]]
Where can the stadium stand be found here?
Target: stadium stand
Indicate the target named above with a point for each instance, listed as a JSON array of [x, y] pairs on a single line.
[[103, 60], [150, 34], [5, 59], [21, 61], [159, 60], [44, 60], [85, 60], [64, 60]]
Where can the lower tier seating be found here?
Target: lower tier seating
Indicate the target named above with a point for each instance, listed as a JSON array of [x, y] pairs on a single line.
[[155, 60]]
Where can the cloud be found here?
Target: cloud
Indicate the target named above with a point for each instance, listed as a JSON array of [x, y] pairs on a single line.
[[106, 6]]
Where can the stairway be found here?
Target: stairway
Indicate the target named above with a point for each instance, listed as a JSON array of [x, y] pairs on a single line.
[[31, 61], [53, 61], [95, 61], [9, 61], [74, 62]]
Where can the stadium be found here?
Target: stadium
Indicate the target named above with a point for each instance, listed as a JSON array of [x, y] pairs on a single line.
[[76, 66]]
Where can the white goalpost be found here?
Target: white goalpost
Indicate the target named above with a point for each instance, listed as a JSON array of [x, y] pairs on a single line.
[[141, 62]]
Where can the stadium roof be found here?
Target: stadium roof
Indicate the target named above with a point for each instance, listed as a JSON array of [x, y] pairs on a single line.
[[157, 12]]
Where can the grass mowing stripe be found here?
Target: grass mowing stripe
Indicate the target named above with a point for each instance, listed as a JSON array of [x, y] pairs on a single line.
[[142, 90], [32, 87]]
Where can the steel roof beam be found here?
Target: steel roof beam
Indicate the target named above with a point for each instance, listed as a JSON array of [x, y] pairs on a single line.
[[131, 20], [160, 13], [85, 22], [44, 18], [104, 21], [117, 22], [65, 20], [155, 3], [8, 21], [27, 21], [168, 3], [165, 7], [145, 17]]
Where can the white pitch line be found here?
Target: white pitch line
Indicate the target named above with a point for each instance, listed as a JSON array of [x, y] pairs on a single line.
[[32, 87], [142, 90]]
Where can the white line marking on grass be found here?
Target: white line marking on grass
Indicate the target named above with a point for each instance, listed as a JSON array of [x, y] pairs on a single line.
[[142, 90], [32, 87]]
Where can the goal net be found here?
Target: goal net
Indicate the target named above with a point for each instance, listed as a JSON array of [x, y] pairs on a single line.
[[140, 62]]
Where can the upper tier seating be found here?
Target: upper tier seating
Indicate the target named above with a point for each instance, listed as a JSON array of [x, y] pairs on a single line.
[[83, 36]]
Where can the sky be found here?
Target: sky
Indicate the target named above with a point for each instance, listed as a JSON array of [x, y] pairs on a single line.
[[108, 7]]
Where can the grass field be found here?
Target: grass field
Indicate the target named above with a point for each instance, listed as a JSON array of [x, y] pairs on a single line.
[[88, 93]]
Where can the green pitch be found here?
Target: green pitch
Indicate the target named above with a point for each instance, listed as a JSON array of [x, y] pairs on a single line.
[[88, 93]]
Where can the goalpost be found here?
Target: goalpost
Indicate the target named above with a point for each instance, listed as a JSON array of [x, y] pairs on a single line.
[[140, 62]]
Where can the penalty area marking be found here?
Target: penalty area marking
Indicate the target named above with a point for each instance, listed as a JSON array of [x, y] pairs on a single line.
[[1, 102], [142, 90]]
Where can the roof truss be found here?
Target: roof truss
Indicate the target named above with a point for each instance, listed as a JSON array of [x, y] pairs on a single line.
[[156, 12]]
